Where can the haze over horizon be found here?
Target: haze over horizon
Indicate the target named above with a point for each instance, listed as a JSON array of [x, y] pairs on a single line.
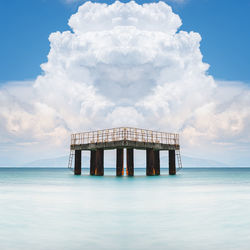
[[125, 64]]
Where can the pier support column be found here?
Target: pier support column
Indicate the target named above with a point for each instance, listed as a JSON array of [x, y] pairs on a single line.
[[78, 162], [99, 162], [150, 168], [171, 161], [92, 162], [119, 162], [157, 162], [130, 162]]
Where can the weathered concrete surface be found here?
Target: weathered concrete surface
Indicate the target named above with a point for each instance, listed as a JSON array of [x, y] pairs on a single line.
[[130, 162], [92, 162], [99, 171], [119, 162], [78, 162], [125, 144], [172, 165], [150, 165], [157, 162], [153, 162]]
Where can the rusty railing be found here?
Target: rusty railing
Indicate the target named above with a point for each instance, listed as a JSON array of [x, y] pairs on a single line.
[[119, 134]]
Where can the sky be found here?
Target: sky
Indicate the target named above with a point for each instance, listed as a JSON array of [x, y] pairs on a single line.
[[26, 25], [185, 67]]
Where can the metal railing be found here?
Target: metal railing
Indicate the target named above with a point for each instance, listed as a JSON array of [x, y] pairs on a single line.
[[119, 134]]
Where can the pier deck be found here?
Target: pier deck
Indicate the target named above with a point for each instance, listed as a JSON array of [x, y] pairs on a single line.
[[125, 138]]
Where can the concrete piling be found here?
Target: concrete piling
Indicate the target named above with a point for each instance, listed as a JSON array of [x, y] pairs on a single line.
[[99, 170], [78, 162], [130, 162], [150, 166], [92, 162], [171, 160], [97, 162], [119, 162], [157, 162]]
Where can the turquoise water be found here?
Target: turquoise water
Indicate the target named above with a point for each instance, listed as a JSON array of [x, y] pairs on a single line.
[[53, 209]]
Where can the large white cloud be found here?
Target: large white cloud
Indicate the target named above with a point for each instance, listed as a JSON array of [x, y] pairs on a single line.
[[125, 64]]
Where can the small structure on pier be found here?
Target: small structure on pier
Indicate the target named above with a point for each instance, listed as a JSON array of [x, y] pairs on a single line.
[[124, 138]]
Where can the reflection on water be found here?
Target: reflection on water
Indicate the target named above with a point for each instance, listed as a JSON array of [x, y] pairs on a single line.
[[53, 209]]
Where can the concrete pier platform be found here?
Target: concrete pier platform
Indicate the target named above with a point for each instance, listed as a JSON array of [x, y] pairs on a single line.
[[125, 138]]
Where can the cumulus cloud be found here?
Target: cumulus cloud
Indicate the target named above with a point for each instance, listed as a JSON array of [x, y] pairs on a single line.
[[125, 64]]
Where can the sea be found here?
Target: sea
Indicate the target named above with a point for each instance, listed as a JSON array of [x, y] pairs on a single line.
[[197, 209]]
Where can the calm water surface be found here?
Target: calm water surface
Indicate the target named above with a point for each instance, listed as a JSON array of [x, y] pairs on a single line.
[[53, 209]]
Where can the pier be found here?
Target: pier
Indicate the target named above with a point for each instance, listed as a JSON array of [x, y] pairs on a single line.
[[121, 139]]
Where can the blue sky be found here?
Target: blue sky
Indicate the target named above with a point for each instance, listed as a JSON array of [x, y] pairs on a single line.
[[223, 25]]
